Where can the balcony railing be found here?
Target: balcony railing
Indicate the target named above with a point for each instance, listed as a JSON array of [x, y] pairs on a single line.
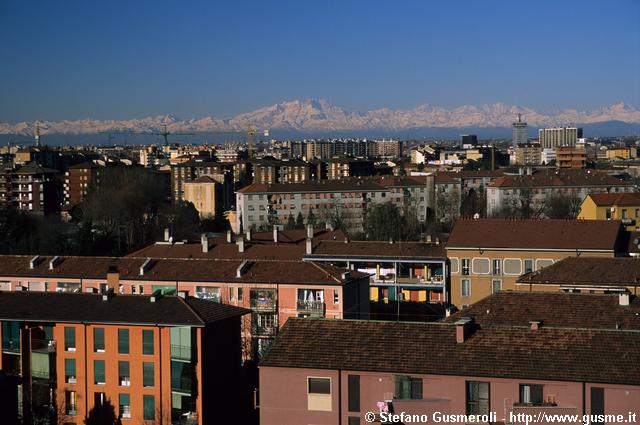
[[263, 303], [310, 306], [11, 346], [182, 352], [43, 345], [261, 330]]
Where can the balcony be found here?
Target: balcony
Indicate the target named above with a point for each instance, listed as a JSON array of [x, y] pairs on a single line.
[[263, 303], [262, 330], [11, 346], [43, 345], [314, 308], [181, 352]]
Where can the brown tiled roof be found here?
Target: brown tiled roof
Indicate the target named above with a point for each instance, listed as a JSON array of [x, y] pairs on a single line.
[[130, 309], [618, 199], [378, 249], [190, 270], [202, 179], [394, 181], [342, 185], [83, 166], [588, 271], [559, 178], [554, 309], [598, 356], [34, 168], [534, 234]]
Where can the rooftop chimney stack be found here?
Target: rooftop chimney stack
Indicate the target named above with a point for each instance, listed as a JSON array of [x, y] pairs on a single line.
[[107, 295], [623, 299], [229, 235], [167, 235], [463, 329], [428, 240], [54, 262], [157, 294], [145, 266], [113, 278], [309, 230], [275, 234], [240, 243], [248, 232], [242, 268], [204, 241], [535, 324], [309, 246], [34, 261]]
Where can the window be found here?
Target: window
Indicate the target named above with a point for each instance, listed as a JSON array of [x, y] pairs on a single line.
[[637, 213], [11, 336], [496, 267], [496, 286], [98, 372], [99, 399], [124, 377], [124, 405], [147, 374], [336, 297], [240, 294], [465, 288], [408, 388], [123, 341], [319, 385], [69, 338], [477, 398], [181, 376], [208, 293], [354, 420], [465, 266], [528, 266], [70, 403], [624, 213], [148, 407], [98, 340], [531, 394], [70, 371], [147, 342], [353, 390]]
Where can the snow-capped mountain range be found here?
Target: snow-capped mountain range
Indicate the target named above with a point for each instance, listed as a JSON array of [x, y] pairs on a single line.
[[319, 115]]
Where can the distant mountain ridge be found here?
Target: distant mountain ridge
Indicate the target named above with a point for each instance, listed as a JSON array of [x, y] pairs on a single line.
[[318, 115]]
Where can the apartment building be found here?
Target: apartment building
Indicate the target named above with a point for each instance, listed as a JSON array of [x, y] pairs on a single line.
[[76, 182], [585, 274], [205, 194], [148, 359], [191, 170], [571, 157], [535, 189], [386, 149], [345, 167], [528, 154], [36, 189], [612, 206], [489, 255], [273, 290], [269, 171], [559, 136], [311, 375]]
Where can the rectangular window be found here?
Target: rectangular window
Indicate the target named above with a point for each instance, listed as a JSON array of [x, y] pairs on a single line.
[[477, 398], [319, 385], [69, 338], [147, 342], [148, 407], [124, 377], [99, 399], [528, 266], [124, 405], [465, 288], [353, 391], [70, 403], [408, 388], [354, 420], [496, 286], [531, 394], [496, 267], [70, 371], [98, 340], [465, 266], [239, 294], [336, 297], [147, 374], [123, 341], [98, 372], [181, 376]]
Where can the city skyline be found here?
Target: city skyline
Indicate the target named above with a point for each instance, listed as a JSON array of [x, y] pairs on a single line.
[[94, 61]]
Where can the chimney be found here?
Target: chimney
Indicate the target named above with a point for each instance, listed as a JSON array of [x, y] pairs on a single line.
[[309, 246], [535, 324], [391, 240], [107, 295], [328, 226], [34, 261], [623, 299], [437, 241], [248, 235], [448, 311], [183, 294], [157, 294], [463, 329], [345, 275], [242, 268], [166, 234], [145, 266], [113, 278], [240, 243], [54, 262], [275, 234], [229, 235], [309, 230], [428, 240], [204, 241]]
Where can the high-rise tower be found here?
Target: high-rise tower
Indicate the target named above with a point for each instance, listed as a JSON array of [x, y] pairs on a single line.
[[519, 129]]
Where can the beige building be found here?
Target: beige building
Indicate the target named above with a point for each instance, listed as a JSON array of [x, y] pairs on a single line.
[[561, 136], [489, 255], [528, 154], [202, 193]]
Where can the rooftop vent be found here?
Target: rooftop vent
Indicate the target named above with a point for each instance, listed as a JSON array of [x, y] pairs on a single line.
[[240, 243], [229, 239], [167, 235], [309, 246], [463, 329], [345, 275], [275, 234], [623, 299], [204, 241], [242, 268], [54, 262], [34, 261], [107, 295], [157, 294], [145, 266], [535, 324]]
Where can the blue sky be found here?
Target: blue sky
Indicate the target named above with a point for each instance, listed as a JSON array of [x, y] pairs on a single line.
[[123, 59]]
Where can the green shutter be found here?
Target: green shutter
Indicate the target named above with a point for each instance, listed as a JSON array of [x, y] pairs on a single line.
[[147, 342], [98, 339], [98, 372], [123, 341], [69, 338], [147, 374], [123, 369], [69, 369], [124, 400], [149, 407]]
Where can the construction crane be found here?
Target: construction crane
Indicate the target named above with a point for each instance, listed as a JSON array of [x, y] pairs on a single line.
[[250, 133], [165, 133]]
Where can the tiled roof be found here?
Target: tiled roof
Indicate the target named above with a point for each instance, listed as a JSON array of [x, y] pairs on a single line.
[[378, 249], [534, 234], [202, 179], [343, 185], [598, 356], [130, 309], [554, 309], [588, 271], [83, 166], [618, 199], [190, 270], [34, 168], [559, 178]]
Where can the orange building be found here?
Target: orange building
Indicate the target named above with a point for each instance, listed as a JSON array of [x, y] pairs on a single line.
[[142, 359]]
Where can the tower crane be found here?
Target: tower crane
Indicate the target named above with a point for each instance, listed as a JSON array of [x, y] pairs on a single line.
[[250, 133]]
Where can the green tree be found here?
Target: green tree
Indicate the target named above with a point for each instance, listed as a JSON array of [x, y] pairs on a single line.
[[311, 218], [385, 222], [299, 220], [291, 222]]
